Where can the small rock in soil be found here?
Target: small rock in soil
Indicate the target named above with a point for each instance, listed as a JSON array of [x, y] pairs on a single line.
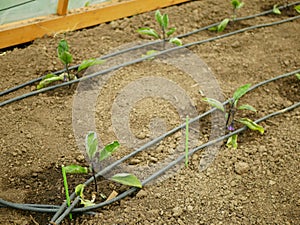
[[190, 208], [236, 44], [272, 182], [141, 194], [80, 159], [153, 159], [241, 168], [177, 211], [134, 161], [34, 175]]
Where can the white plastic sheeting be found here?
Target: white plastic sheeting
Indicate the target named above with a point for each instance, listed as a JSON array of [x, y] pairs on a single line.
[[16, 10]]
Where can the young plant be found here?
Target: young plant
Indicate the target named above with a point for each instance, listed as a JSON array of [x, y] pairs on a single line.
[[236, 4], [230, 116], [298, 75], [166, 32], [297, 8], [66, 58], [95, 157]]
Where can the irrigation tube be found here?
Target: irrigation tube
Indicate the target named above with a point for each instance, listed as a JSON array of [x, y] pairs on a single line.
[[173, 163], [156, 140], [59, 209], [144, 45], [144, 182], [52, 209], [145, 58]]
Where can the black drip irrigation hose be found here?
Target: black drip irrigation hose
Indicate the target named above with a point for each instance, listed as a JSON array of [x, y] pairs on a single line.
[[156, 140], [63, 210], [144, 45], [113, 68], [57, 220]]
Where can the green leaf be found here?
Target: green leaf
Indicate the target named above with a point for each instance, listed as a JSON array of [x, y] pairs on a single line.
[[176, 41], [48, 79], [79, 190], [108, 150], [232, 141], [276, 10], [237, 4], [247, 107], [66, 57], [62, 47], [165, 20], [171, 31], [89, 62], [214, 103], [241, 91], [148, 31], [159, 18], [86, 202], [223, 25], [251, 125], [127, 179], [49, 76], [91, 144], [63, 52], [297, 7], [150, 52], [76, 169], [298, 75], [215, 28]]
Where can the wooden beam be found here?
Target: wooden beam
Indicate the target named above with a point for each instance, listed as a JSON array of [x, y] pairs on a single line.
[[62, 7], [25, 31]]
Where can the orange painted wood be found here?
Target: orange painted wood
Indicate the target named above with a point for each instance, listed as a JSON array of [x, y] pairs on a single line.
[[25, 31], [62, 7]]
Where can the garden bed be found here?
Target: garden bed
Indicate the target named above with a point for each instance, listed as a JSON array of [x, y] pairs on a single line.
[[257, 183]]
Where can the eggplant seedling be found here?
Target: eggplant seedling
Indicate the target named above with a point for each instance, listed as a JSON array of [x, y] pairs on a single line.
[[66, 58], [230, 116], [95, 157], [166, 32], [236, 4]]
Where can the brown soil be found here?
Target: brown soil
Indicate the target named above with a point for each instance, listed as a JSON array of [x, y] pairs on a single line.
[[256, 184]]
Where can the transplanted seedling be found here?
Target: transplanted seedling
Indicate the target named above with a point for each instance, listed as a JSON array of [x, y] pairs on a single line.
[[236, 4], [66, 58], [298, 75], [166, 32], [95, 157], [233, 106]]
